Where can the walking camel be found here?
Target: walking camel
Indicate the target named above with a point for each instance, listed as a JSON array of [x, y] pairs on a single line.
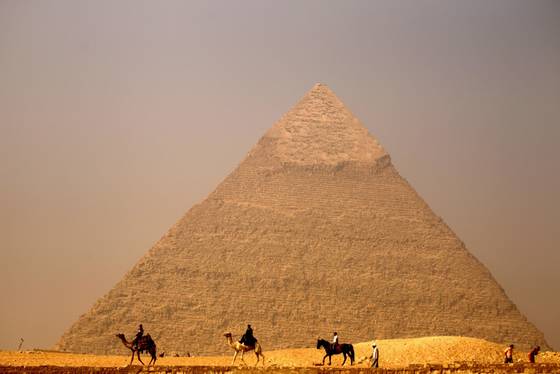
[[238, 347], [146, 343]]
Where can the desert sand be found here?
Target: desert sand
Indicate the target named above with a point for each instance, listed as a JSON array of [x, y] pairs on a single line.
[[393, 353]]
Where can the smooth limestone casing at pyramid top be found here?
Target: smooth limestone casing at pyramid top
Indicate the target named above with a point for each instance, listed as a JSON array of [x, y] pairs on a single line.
[[315, 231]]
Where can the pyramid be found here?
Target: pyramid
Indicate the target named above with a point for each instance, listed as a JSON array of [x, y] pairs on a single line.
[[314, 231]]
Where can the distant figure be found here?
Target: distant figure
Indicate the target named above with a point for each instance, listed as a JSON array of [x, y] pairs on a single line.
[[374, 356], [139, 334], [335, 345], [248, 338], [20, 344], [508, 355], [535, 351]]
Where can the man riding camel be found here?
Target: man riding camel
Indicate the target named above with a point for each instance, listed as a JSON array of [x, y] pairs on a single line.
[[248, 339], [139, 334]]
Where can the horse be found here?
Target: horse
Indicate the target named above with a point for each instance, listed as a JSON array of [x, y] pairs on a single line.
[[345, 349], [146, 343]]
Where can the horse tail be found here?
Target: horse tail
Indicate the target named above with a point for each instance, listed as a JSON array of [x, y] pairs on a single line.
[[351, 354]]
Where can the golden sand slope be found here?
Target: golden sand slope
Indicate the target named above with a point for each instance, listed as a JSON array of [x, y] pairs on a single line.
[[393, 353]]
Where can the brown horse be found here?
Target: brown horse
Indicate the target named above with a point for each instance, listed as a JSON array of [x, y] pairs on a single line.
[[146, 343], [345, 349]]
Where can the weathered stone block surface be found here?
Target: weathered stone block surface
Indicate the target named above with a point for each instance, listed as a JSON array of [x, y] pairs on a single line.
[[315, 231]]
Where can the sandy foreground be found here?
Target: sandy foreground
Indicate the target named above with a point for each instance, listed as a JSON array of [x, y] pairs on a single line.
[[393, 353]]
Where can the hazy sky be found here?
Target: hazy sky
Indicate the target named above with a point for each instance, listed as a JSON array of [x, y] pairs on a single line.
[[117, 117]]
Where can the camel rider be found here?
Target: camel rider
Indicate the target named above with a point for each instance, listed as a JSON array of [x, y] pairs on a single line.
[[335, 341], [248, 339], [139, 334]]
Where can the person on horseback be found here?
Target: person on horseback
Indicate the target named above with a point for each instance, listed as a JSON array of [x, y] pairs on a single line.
[[248, 338], [335, 344], [139, 334]]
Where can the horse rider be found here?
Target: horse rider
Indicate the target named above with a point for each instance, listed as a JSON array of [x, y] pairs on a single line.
[[139, 334], [248, 339], [335, 341]]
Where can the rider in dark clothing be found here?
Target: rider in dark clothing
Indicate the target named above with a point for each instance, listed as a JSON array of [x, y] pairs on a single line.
[[248, 339], [139, 335]]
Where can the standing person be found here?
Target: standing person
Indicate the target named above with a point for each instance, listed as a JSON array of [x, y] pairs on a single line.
[[535, 351], [139, 334], [374, 356], [508, 355]]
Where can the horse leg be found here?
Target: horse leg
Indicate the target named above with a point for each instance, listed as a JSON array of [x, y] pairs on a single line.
[[324, 359], [343, 361]]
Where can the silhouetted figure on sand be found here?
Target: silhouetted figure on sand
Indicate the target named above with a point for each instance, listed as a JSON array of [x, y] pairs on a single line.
[[535, 351], [374, 356], [508, 355]]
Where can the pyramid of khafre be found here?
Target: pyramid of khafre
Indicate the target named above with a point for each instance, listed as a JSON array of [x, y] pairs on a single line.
[[315, 231]]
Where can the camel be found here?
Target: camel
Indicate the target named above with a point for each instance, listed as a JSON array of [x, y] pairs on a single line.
[[145, 343], [238, 347]]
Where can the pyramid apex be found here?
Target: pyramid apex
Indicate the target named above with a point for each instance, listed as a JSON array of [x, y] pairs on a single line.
[[319, 84], [319, 129], [321, 87]]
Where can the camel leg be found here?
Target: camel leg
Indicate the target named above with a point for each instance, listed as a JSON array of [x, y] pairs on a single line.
[[257, 354], [131, 359], [234, 357], [139, 359], [242, 354], [260, 355]]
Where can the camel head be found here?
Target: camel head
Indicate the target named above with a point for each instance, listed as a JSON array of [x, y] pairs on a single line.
[[122, 338]]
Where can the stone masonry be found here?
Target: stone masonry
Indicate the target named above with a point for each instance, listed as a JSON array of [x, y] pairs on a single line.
[[314, 231]]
